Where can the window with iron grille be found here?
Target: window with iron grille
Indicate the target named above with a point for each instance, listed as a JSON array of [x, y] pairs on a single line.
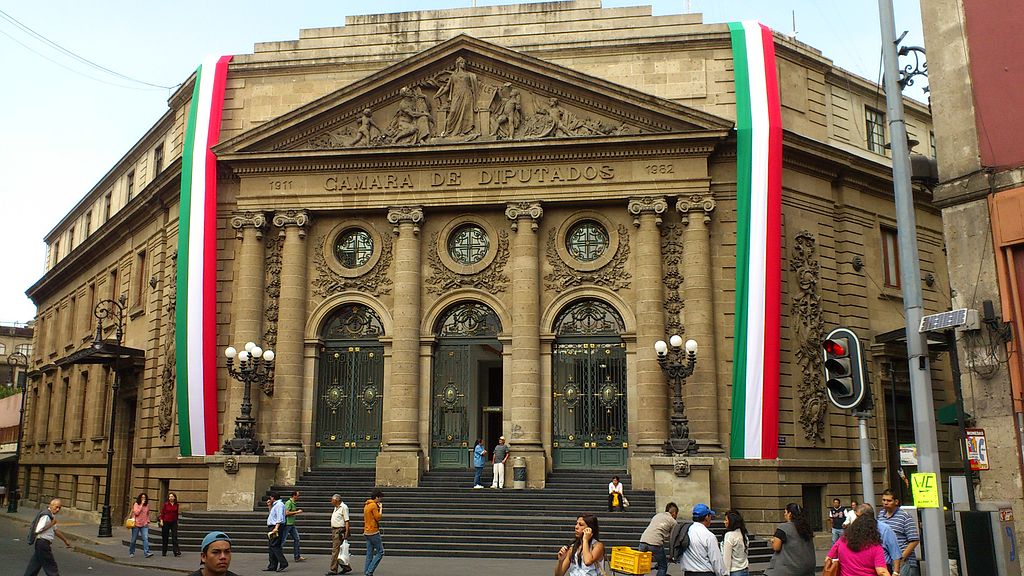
[[353, 248]]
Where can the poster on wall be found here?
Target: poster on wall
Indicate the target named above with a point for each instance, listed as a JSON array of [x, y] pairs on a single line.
[[977, 449], [908, 454]]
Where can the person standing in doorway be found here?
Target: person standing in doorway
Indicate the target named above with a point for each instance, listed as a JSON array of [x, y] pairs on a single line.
[[372, 512], [479, 459], [45, 530], [655, 537], [291, 510], [501, 452], [836, 518], [275, 534], [339, 534], [168, 521], [906, 533]]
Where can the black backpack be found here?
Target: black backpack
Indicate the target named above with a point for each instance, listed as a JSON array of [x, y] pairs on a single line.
[[32, 534], [679, 541]]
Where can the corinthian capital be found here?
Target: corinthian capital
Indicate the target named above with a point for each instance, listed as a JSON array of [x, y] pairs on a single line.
[[406, 215], [256, 220], [517, 210], [296, 218], [655, 205], [695, 202]]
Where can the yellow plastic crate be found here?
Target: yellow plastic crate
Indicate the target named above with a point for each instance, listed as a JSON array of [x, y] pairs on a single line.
[[629, 561]]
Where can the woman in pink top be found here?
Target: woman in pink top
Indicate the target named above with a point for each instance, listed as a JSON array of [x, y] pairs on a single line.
[[859, 551], [140, 513]]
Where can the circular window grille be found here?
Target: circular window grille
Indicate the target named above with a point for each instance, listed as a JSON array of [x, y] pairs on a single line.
[[353, 248], [468, 244], [586, 241]]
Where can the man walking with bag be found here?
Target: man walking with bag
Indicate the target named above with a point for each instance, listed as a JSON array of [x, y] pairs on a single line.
[[275, 535], [43, 530], [339, 537]]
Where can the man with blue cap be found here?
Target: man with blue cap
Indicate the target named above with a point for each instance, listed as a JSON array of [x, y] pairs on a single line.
[[702, 557], [215, 555]]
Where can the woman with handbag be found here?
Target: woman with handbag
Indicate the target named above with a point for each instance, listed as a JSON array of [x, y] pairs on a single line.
[[858, 552], [140, 525], [168, 520]]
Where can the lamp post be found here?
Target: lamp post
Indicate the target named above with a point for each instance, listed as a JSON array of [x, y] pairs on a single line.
[[678, 365], [113, 309], [254, 365], [14, 360]]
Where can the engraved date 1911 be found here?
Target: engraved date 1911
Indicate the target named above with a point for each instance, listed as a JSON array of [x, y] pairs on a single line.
[[659, 168], [280, 184]]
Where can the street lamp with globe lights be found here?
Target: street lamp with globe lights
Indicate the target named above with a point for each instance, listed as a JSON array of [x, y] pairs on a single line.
[[678, 364], [14, 360], [110, 309], [254, 365]]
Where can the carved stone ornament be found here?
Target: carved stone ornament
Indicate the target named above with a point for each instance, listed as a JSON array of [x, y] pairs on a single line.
[[249, 220], [296, 218], [375, 281], [612, 275], [231, 465], [647, 205], [810, 331], [681, 467], [531, 210], [406, 215], [694, 202], [168, 375], [491, 279], [672, 257], [457, 105], [272, 279]]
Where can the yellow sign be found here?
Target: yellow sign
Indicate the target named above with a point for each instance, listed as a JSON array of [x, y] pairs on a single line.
[[926, 490]]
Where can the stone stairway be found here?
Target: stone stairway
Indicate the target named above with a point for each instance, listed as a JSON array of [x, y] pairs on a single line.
[[445, 516]]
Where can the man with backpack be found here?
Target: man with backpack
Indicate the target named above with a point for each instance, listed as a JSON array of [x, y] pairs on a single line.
[[40, 536], [657, 534], [695, 547]]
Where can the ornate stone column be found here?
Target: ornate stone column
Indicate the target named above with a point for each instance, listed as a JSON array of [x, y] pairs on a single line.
[[286, 439], [247, 300], [651, 404], [526, 398], [399, 461], [701, 390]]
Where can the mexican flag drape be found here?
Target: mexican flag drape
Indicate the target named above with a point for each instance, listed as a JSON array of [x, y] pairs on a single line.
[[195, 326], [755, 385]]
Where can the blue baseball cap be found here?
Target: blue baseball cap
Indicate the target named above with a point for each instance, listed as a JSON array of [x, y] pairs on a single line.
[[215, 536], [702, 510]]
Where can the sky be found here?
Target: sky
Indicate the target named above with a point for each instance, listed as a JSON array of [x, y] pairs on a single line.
[[64, 123]]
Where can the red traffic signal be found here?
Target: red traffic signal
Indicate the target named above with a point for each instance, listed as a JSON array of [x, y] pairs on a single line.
[[844, 369]]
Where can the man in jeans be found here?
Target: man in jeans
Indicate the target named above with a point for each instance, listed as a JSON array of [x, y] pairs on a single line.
[[906, 533], [655, 537], [837, 516], [372, 511], [275, 534], [291, 510], [500, 456]]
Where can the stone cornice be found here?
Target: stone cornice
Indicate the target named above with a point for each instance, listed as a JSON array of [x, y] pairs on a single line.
[[523, 210]]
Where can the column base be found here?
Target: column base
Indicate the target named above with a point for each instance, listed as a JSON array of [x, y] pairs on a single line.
[[292, 463], [236, 483], [399, 469], [536, 465]]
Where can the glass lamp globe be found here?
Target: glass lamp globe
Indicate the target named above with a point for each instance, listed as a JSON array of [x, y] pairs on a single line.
[[676, 340], [243, 356], [691, 346], [249, 346], [230, 352], [256, 351], [268, 355], [661, 348]]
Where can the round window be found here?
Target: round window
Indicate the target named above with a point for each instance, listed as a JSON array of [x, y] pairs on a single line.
[[468, 244], [586, 241], [353, 248]]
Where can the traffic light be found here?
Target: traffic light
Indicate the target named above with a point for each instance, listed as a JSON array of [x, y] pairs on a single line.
[[844, 369]]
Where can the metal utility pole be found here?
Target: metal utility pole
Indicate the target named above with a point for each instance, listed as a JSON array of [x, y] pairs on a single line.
[[932, 522], [867, 478]]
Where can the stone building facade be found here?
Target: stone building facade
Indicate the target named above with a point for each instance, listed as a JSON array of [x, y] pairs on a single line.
[[466, 223]]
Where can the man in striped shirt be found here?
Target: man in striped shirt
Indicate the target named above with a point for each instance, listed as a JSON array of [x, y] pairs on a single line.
[[905, 529]]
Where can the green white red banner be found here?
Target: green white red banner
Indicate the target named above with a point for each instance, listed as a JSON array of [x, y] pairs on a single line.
[[195, 324], [755, 384]]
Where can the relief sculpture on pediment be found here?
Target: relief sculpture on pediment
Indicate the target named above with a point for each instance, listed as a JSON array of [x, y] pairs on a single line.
[[457, 104]]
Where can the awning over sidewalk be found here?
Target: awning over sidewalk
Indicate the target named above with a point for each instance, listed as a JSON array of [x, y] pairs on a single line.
[[105, 352]]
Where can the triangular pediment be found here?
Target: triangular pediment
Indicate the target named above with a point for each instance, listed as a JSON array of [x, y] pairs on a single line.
[[467, 90]]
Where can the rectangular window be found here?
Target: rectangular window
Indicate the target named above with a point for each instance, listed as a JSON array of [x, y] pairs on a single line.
[[158, 159], [71, 238], [88, 224], [83, 394], [56, 252], [107, 202], [130, 184], [140, 278], [875, 123], [65, 406], [70, 320], [114, 288], [891, 257], [25, 349], [931, 143]]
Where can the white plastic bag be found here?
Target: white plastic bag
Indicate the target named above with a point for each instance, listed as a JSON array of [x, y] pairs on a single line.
[[344, 556]]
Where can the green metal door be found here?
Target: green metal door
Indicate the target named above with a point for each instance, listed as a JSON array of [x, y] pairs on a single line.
[[589, 422], [349, 393]]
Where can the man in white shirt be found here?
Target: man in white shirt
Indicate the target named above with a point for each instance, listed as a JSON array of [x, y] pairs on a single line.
[[275, 535], [45, 530], [339, 533], [702, 557]]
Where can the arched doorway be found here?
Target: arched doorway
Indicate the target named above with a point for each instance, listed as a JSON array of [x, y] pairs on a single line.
[[588, 406], [349, 389], [466, 383]]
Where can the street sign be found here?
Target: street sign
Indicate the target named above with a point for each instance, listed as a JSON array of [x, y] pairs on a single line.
[[964, 317], [977, 449]]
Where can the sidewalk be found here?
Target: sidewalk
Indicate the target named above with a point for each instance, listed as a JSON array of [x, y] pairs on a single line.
[[83, 537]]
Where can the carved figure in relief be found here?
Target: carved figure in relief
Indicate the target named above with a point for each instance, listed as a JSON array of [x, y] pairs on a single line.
[[425, 122], [509, 113], [366, 132], [404, 127], [460, 90]]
